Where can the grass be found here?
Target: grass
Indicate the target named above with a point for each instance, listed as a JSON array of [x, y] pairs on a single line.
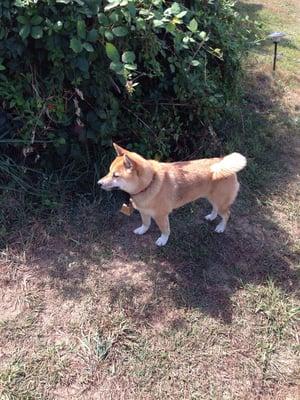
[[89, 311], [279, 16], [31, 376]]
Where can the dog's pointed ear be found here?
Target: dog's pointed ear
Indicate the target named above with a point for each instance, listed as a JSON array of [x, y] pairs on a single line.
[[119, 150], [128, 162]]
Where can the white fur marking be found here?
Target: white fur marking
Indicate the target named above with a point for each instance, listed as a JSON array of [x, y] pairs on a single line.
[[221, 227], [213, 215], [141, 230], [230, 164], [162, 240]]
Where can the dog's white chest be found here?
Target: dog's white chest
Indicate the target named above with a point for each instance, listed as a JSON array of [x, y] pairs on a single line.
[[147, 211]]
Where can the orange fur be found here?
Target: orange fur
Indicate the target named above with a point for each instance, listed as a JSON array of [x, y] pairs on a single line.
[[158, 188]]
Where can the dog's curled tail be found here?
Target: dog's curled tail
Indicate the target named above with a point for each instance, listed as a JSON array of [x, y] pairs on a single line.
[[229, 165]]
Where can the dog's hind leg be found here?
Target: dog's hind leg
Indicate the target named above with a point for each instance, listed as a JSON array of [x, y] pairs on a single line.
[[223, 197], [213, 215], [146, 220], [164, 226], [224, 213]]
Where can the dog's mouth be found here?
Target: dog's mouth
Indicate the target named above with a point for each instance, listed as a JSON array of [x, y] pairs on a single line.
[[111, 189], [108, 188]]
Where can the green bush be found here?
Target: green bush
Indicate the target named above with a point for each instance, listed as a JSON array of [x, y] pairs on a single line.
[[75, 74]]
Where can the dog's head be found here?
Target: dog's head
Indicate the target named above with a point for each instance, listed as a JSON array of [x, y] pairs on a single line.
[[125, 172]]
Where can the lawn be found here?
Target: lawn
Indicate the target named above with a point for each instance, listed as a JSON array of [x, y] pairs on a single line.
[[90, 311]]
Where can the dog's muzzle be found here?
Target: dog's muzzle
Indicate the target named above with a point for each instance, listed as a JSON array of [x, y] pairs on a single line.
[[105, 185]]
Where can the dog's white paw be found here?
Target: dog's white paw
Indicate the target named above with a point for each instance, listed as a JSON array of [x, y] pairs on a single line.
[[141, 230], [220, 228], [211, 217], [162, 240]]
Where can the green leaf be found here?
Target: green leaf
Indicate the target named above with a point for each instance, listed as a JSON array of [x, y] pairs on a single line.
[[132, 9], [24, 31], [36, 20], [120, 31], [128, 57], [58, 26], [2, 67], [82, 64], [175, 9], [92, 35], [202, 35], [193, 25], [81, 30], [116, 67], [170, 27], [141, 24], [63, 1], [61, 140], [102, 18], [182, 14], [195, 63], [37, 32], [114, 17], [2, 33], [109, 35], [131, 67], [88, 47], [112, 52], [157, 23], [23, 19], [76, 45], [112, 5]]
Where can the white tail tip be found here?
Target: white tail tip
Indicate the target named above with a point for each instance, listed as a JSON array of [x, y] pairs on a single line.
[[229, 165]]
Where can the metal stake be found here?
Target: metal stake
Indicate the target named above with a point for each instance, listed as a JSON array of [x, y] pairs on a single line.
[[276, 37], [275, 56]]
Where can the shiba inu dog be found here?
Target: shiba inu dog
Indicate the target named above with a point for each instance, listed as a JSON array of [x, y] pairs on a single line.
[[157, 188]]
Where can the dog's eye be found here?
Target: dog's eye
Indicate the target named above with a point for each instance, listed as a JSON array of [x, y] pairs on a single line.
[[115, 175]]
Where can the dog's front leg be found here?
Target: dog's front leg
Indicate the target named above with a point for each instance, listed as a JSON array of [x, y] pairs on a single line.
[[164, 226], [146, 220]]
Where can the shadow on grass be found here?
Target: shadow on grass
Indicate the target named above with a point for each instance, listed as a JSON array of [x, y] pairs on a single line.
[[84, 250], [250, 9], [253, 10]]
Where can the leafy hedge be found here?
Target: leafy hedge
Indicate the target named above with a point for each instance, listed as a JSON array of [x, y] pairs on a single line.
[[75, 74]]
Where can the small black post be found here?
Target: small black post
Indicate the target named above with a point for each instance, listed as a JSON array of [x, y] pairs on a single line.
[[275, 56]]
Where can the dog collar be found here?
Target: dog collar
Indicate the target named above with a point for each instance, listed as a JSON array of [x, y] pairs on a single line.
[[146, 188]]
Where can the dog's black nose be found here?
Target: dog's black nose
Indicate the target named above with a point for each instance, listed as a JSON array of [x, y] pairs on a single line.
[[99, 182]]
